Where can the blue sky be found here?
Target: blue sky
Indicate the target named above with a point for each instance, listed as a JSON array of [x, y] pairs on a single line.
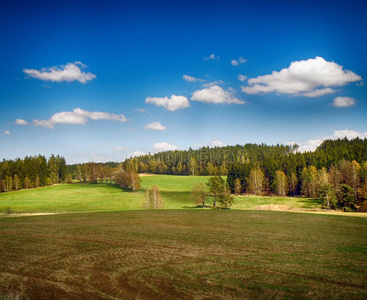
[[103, 80]]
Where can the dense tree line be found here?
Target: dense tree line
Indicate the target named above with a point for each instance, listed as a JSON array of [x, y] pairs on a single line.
[[336, 173], [204, 161], [31, 172], [219, 160]]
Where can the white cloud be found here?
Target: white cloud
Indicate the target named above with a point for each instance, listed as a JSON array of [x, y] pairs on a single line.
[[7, 132], [192, 79], [141, 110], [21, 122], [137, 154], [234, 62], [215, 94], [211, 56], [214, 142], [312, 144], [163, 146], [210, 84], [155, 126], [237, 62], [69, 72], [241, 77], [43, 123], [310, 78], [319, 92], [349, 134], [78, 116], [344, 102], [172, 104]]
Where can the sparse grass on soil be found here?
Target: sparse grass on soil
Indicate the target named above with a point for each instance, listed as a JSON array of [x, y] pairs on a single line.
[[184, 254], [175, 191]]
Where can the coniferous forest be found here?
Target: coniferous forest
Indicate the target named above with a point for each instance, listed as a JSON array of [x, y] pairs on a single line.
[[31, 172]]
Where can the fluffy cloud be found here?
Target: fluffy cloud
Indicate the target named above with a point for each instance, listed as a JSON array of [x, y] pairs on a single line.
[[137, 154], [210, 57], [78, 116], [172, 104], [241, 77], [310, 78], [344, 101], [210, 84], [235, 62], [215, 94], [214, 142], [312, 144], [69, 72], [349, 134], [155, 126], [21, 122], [43, 123], [319, 92], [163, 146], [7, 132], [192, 79]]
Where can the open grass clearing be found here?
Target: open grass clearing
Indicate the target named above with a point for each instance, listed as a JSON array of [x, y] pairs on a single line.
[[108, 197], [66, 198], [184, 254]]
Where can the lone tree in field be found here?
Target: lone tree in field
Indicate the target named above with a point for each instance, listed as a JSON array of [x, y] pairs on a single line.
[[216, 186], [153, 199], [226, 199], [198, 193]]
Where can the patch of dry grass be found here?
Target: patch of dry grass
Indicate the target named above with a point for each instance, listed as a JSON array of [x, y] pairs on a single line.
[[186, 254]]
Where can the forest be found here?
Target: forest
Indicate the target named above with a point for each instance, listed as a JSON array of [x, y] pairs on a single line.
[[336, 172], [32, 172]]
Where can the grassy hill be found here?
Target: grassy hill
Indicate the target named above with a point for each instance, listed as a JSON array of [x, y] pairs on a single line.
[[184, 254], [107, 197]]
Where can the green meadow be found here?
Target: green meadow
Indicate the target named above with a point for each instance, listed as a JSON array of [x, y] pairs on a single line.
[[175, 191]]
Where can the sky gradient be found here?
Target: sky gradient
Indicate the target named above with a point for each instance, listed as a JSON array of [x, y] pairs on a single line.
[[103, 80]]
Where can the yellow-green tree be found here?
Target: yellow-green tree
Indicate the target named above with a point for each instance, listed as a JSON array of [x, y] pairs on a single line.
[[153, 199], [237, 186], [256, 181], [281, 183], [199, 193], [309, 181], [293, 184]]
